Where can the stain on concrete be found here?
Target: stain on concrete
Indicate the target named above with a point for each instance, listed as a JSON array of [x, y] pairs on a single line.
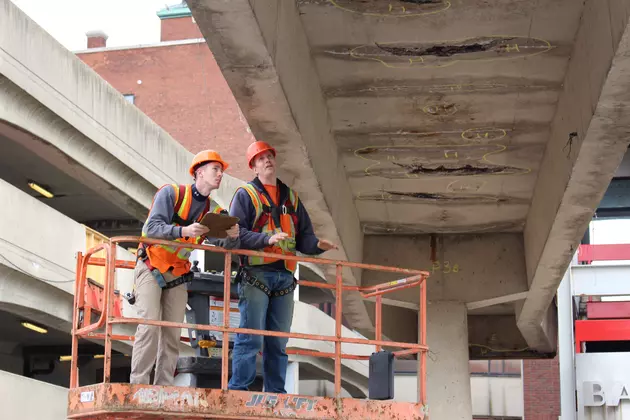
[[392, 8], [411, 161], [466, 185], [440, 109], [419, 197], [483, 134], [446, 50], [390, 228], [407, 54], [395, 88], [450, 170]]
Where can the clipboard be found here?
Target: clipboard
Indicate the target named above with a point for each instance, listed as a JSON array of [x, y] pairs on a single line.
[[218, 224]]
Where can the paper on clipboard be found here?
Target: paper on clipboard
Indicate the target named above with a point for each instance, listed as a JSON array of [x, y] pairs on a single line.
[[218, 224]]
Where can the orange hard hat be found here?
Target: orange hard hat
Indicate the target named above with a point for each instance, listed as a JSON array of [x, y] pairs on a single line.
[[206, 156], [257, 148]]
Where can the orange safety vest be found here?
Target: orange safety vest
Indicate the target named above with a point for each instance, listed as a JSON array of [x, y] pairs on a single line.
[[166, 257], [263, 222]]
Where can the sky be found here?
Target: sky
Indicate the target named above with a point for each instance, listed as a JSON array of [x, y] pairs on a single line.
[[133, 22], [126, 22]]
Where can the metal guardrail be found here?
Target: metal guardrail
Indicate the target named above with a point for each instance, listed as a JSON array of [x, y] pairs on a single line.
[[106, 320]]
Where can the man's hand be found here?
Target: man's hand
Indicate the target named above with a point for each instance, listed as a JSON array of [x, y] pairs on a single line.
[[194, 230], [277, 238], [233, 232], [325, 245]]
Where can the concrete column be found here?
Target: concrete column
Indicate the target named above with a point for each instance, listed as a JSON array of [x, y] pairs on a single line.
[[566, 348], [292, 383], [448, 375]]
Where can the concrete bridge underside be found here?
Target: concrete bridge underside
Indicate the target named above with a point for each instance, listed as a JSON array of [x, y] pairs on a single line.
[[473, 139]]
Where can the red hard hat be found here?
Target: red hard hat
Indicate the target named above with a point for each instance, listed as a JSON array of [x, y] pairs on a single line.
[[206, 156], [257, 148]]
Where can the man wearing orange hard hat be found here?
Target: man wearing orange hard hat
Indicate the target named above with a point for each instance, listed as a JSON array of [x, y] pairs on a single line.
[[272, 219], [161, 271]]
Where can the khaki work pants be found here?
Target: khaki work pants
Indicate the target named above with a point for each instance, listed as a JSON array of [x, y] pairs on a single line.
[[151, 342]]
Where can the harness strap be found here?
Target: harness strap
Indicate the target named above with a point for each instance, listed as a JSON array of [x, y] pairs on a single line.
[[253, 281], [159, 277], [178, 205]]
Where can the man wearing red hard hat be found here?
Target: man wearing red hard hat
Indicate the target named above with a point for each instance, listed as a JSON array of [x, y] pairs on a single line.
[[161, 271], [274, 220]]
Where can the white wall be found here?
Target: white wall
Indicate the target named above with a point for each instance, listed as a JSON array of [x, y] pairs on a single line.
[[28, 399], [497, 396], [491, 396], [320, 388]]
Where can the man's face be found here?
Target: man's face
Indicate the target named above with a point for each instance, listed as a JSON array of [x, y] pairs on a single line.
[[211, 174], [265, 164]]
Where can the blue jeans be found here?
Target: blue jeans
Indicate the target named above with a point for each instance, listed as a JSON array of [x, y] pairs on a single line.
[[263, 313]]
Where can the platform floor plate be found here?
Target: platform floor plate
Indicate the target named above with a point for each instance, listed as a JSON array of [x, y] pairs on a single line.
[[126, 401]]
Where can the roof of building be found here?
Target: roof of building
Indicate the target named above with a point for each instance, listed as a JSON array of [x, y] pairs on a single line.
[[175, 11]]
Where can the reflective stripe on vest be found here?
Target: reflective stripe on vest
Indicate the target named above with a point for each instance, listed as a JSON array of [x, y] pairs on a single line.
[[285, 247], [164, 257]]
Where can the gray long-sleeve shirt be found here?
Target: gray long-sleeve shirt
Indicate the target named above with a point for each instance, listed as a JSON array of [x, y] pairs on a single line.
[[158, 225]]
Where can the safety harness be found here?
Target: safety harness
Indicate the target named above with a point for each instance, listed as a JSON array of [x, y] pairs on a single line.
[[244, 275], [262, 218], [176, 219]]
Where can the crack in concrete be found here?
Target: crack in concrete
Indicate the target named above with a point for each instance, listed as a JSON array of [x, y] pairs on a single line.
[[446, 50], [414, 168], [447, 197]]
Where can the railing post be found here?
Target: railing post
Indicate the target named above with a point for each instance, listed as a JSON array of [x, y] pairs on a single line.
[[225, 344], [338, 316], [422, 339], [110, 276], [379, 316], [74, 376]]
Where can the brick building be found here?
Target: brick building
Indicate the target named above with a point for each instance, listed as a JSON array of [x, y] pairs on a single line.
[[178, 84], [541, 389]]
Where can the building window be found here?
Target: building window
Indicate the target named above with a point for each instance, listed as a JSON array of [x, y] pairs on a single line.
[[130, 97], [495, 367]]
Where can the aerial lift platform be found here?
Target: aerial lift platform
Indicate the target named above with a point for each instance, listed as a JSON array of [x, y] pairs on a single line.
[[109, 400]]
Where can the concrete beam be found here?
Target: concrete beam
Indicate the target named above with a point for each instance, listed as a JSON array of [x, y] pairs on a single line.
[[27, 122], [73, 109], [471, 306], [587, 143], [79, 96], [264, 55], [496, 337], [465, 268], [26, 296]]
